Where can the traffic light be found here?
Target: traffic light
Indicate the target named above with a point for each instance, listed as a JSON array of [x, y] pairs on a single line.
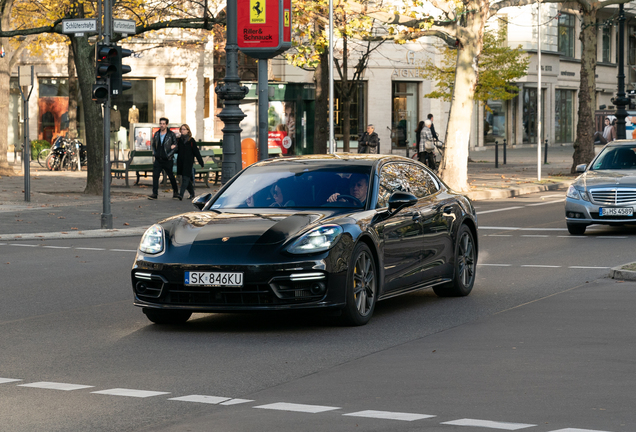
[[117, 86], [103, 69]]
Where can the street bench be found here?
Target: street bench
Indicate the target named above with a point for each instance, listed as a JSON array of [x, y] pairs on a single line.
[[212, 155], [139, 161]]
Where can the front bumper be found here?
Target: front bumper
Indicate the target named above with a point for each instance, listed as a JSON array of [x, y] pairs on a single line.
[[266, 287], [587, 213]]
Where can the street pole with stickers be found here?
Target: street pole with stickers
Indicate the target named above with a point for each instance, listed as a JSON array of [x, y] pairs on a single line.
[[25, 79]]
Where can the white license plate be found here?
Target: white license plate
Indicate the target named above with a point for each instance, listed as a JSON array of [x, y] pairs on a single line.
[[616, 211], [217, 279]]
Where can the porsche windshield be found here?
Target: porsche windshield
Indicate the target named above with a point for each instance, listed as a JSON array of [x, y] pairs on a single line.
[[616, 158], [298, 185]]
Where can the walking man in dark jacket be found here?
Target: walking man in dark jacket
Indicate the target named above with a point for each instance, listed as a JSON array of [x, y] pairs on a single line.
[[369, 141], [164, 145]]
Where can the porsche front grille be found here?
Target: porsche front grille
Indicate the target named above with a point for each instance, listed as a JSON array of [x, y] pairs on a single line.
[[614, 196]]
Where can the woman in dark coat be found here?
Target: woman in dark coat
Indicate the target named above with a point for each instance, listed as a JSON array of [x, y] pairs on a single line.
[[187, 150]]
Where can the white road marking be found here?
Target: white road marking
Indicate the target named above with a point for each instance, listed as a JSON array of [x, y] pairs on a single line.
[[552, 196], [130, 392], [494, 265], [94, 249], [572, 236], [612, 237], [55, 386], [545, 203], [592, 268], [540, 266], [284, 406], [498, 235], [201, 399], [57, 247], [489, 424], [577, 430], [387, 415], [122, 250], [22, 245], [8, 380], [498, 210], [535, 235], [236, 401]]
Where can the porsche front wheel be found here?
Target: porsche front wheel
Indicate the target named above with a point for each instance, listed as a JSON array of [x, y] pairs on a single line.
[[362, 287], [162, 316]]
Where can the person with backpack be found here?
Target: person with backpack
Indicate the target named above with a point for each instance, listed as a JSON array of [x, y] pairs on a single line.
[[369, 141]]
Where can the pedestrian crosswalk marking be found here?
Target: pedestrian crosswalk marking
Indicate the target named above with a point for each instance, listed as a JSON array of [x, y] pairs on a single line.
[[388, 415], [284, 406], [130, 393], [55, 386], [201, 399], [489, 424]]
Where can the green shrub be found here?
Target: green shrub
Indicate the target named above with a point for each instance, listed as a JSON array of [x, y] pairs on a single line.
[[37, 146]]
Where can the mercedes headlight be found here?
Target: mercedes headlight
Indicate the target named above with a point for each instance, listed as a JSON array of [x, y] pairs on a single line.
[[573, 193], [152, 240], [317, 240]]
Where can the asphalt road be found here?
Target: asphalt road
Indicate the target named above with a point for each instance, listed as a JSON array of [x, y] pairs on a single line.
[[544, 343]]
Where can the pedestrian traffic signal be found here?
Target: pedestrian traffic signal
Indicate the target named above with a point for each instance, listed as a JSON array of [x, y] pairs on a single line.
[[100, 90], [117, 85]]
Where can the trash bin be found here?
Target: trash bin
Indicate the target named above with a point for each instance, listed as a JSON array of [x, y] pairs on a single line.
[[249, 153]]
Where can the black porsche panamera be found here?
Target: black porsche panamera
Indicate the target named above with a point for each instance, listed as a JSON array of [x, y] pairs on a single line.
[[321, 232]]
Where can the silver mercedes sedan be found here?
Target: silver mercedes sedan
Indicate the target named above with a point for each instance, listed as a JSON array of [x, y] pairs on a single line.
[[606, 191]]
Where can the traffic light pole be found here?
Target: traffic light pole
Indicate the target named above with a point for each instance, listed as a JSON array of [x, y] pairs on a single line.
[[107, 217]]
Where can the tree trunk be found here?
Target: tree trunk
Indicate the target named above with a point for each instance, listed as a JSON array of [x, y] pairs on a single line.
[[72, 95], [321, 128], [5, 75], [454, 166], [93, 122], [584, 143]]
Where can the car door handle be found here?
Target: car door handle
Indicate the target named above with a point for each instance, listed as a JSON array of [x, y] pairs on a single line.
[[417, 217], [448, 210]]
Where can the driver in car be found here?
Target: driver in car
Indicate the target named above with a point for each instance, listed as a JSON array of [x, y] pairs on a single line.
[[358, 187]]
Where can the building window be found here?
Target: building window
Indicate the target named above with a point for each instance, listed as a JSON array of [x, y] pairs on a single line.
[[404, 117], [53, 117], [607, 44], [566, 34], [563, 116]]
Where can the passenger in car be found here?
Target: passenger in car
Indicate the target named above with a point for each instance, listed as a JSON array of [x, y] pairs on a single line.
[[358, 188], [280, 193]]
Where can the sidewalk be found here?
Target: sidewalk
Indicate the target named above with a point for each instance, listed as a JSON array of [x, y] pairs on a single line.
[[59, 208]]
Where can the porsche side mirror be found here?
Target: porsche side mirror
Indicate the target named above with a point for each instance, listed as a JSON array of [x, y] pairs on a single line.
[[399, 200], [580, 168], [201, 200]]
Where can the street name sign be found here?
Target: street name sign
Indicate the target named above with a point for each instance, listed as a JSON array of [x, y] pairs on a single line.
[[79, 26], [124, 26], [264, 27]]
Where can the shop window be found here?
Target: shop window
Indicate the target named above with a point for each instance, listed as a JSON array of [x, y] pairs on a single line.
[[566, 34], [137, 104], [530, 115], [495, 121], [356, 120], [53, 119], [564, 115], [404, 117]]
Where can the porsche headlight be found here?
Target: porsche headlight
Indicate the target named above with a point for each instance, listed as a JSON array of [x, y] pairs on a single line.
[[317, 240], [152, 240], [573, 193]]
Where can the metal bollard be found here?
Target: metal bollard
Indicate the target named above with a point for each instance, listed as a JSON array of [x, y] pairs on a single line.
[[504, 148], [545, 158], [496, 154]]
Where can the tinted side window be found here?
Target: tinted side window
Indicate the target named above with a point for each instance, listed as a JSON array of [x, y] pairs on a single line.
[[420, 182], [392, 178]]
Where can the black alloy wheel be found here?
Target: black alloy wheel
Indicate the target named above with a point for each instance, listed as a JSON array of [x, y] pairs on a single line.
[[164, 316], [362, 287], [465, 266], [576, 229]]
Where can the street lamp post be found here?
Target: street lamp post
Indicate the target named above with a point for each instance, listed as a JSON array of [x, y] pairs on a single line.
[[621, 100], [232, 93]]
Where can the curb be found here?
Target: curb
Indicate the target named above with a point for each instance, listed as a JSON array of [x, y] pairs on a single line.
[[100, 233], [480, 195], [622, 274]]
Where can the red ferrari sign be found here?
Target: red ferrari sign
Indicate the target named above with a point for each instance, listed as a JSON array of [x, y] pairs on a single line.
[[264, 27]]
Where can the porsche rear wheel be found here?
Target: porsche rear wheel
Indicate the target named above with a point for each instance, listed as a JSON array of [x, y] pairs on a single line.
[[362, 287], [163, 316], [465, 266]]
